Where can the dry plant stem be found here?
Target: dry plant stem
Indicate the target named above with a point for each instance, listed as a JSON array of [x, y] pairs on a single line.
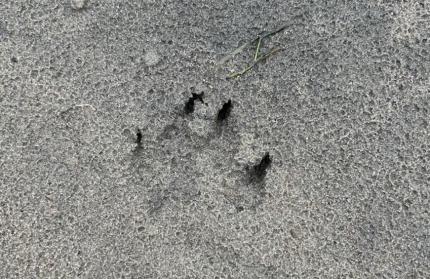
[[234, 53], [77, 106], [258, 39], [258, 50], [261, 58]]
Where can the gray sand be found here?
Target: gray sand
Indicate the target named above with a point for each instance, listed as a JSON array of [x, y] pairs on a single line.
[[344, 111]]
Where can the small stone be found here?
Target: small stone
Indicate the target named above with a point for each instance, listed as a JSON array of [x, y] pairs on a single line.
[[77, 4], [151, 58]]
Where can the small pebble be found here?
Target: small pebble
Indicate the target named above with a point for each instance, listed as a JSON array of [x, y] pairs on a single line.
[[151, 58], [77, 4]]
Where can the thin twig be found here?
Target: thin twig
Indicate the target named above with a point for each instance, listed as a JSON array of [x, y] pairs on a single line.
[[261, 58], [245, 45], [234, 53], [258, 50], [77, 106], [274, 32]]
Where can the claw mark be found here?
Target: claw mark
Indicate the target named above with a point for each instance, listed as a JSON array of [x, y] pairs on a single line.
[[189, 105], [259, 171], [199, 97], [224, 112], [139, 137]]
